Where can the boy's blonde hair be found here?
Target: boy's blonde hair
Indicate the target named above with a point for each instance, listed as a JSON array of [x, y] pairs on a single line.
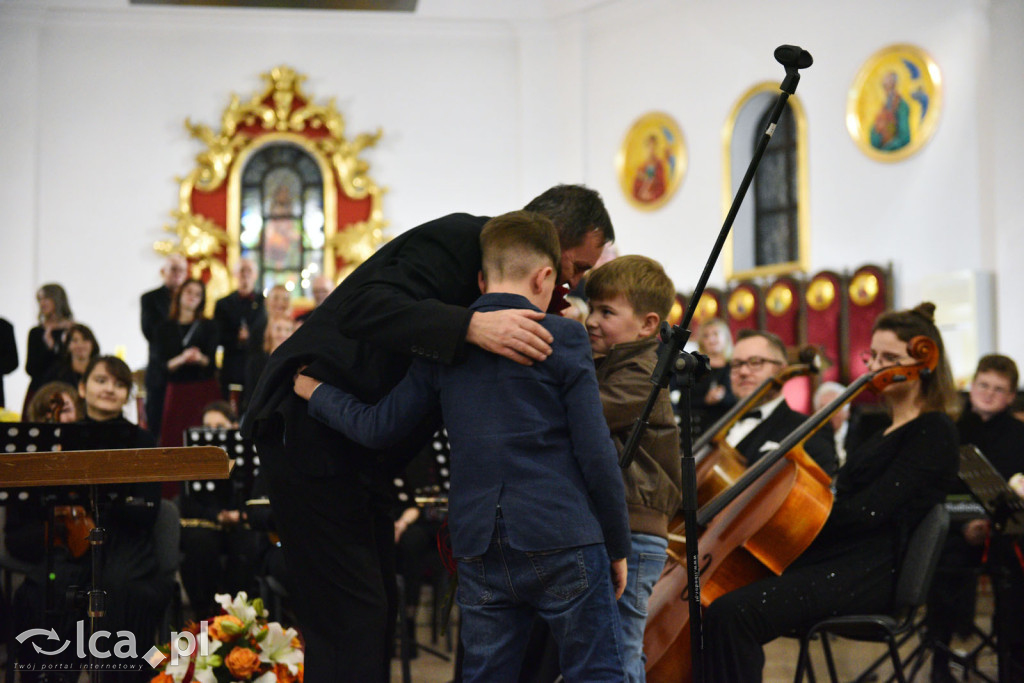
[[640, 279], [515, 243]]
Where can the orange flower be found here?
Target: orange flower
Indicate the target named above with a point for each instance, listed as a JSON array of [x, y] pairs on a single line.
[[162, 678], [284, 675], [217, 631], [242, 662]]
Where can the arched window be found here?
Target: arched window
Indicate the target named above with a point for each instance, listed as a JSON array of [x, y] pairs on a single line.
[[770, 235], [776, 231], [282, 216]]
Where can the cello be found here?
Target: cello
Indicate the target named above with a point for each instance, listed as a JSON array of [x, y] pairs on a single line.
[[719, 465], [758, 526]]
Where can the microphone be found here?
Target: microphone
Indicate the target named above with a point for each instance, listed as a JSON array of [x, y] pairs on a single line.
[[791, 56]]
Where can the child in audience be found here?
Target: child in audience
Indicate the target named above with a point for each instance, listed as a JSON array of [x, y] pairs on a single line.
[[537, 504], [629, 297]]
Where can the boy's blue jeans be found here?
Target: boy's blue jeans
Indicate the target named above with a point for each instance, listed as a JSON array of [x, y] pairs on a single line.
[[645, 564], [571, 589]]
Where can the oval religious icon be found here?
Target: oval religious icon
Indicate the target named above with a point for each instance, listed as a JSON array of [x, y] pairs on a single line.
[[652, 161], [893, 106]]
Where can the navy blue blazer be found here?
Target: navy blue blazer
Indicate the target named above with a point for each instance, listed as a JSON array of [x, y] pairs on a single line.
[[531, 439]]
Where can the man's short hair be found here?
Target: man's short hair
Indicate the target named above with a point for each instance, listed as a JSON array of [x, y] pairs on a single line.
[[515, 243], [772, 339], [575, 211], [999, 364], [641, 280]]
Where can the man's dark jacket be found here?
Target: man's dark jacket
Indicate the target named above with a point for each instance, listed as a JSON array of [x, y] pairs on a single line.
[[410, 299]]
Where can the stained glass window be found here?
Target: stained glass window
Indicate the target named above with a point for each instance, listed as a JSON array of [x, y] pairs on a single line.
[[283, 216], [776, 231]]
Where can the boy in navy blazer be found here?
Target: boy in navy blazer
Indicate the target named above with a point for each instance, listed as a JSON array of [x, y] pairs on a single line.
[[537, 504]]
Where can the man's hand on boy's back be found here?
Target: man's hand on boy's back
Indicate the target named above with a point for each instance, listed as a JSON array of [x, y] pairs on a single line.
[[619, 574], [513, 333], [304, 384]]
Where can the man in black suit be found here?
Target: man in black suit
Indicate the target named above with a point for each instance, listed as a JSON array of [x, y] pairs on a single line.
[[330, 497], [757, 356], [156, 306], [239, 316]]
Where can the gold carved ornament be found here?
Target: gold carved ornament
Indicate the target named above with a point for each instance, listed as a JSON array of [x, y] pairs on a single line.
[[281, 112], [707, 308]]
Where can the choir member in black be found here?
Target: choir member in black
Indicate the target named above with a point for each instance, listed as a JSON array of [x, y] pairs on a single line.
[[237, 316], [880, 497], [278, 329], [186, 343], [756, 357], [214, 529], [989, 425], [277, 304], [156, 306], [137, 596], [82, 347], [8, 355], [712, 395], [47, 340]]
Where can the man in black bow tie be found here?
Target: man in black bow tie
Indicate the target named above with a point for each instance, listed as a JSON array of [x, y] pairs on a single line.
[[756, 357]]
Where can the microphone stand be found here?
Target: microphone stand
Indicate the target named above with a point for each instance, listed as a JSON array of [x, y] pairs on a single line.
[[690, 366]]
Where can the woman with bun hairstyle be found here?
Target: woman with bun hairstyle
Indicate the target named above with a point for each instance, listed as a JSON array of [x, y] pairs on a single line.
[[885, 489]]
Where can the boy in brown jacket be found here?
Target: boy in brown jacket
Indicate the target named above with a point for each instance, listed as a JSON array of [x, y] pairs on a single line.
[[629, 297]]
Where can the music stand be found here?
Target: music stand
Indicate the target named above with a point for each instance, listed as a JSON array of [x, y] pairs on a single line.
[[236, 490], [1005, 509], [37, 455]]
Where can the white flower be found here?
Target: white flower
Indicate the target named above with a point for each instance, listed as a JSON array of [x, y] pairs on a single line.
[[276, 647], [205, 664], [240, 607]]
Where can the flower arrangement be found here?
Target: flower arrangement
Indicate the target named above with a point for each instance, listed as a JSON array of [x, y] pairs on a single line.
[[239, 645]]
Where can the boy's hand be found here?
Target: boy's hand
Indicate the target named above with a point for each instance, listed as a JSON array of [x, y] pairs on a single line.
[[619, 577], [305, 385], [513, 333]]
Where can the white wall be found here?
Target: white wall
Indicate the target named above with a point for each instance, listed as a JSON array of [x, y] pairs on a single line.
[[93, 135], [481, 112]]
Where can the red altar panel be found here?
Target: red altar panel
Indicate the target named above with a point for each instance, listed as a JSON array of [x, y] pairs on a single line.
[[782, 317], [782, 310], [868, 295], [824, 323], [745, 307]]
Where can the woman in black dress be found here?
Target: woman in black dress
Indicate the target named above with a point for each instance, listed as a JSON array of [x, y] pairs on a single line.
[[186, 343], [881, 494], [81, 348], [47, 340]]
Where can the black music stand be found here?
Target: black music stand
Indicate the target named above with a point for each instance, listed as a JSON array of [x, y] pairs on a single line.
[[234, 492], [1005, 509]]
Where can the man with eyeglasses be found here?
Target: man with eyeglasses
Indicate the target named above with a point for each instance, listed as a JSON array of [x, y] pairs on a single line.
[[989, 425], [757, 356]]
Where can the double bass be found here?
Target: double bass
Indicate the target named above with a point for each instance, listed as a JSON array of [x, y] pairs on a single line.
[[758, 525]]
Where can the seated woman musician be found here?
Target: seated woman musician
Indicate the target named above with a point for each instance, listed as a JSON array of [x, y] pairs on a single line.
[[136, 595], [882, 493]]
